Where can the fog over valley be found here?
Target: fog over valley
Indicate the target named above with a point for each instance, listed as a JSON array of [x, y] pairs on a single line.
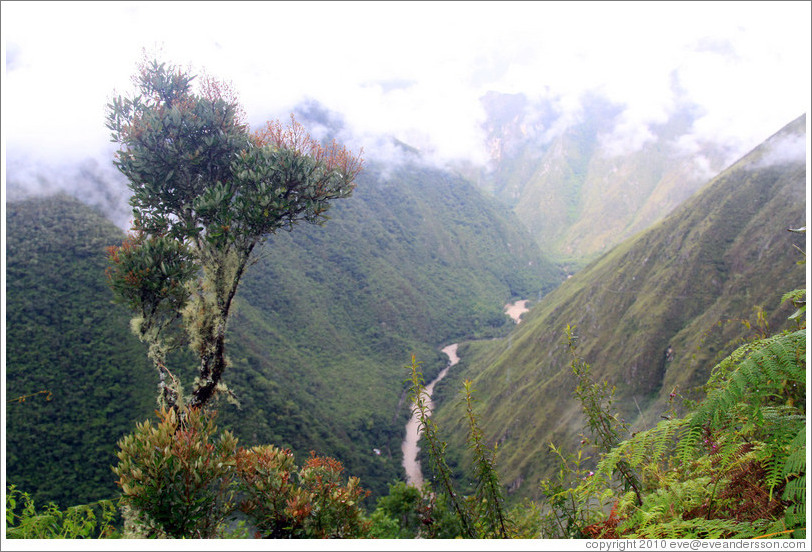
[[409, 74]]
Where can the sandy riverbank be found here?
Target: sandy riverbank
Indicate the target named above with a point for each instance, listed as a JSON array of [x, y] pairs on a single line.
[[516, 310]]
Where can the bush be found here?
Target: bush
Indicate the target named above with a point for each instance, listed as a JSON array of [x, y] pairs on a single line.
[[175, 478], [180, 480], [88, 521]]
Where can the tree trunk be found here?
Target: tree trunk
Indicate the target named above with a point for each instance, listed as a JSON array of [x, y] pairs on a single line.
[[214, 319], [212, 364]]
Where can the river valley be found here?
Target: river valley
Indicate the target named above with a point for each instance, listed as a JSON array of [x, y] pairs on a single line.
[[414, 474]]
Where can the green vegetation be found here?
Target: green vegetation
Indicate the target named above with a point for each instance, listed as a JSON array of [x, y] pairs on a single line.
[[689, 283], [329, 313], [407, 512], [206, 192], [326, 313], [415, 259], [65, 337], [482, 514], [734, 467], [181, 479], [89, 521]]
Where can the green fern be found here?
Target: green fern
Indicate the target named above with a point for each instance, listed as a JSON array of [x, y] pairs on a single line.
[[768, 368], [645, 449], [700, 529], [702, 475], [795, 490], [796, 461]]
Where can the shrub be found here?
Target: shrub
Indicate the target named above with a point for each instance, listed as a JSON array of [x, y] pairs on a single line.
[[88, 521], [180, 479], [323, 505], [175, 478]]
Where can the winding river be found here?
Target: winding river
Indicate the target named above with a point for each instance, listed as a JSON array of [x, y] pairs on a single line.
[[414, 475]]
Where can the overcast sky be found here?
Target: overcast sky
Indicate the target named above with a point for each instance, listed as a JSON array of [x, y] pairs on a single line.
[[415, 70]]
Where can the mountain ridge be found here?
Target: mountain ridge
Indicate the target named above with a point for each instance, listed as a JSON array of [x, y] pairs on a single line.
[[578, 185], [685, 283]]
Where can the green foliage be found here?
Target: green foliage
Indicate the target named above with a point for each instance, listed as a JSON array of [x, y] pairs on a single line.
[[319, 307], [180, 479], [489, 500], [323, 305], [437, 450], [311, 502], [596, 401], [762, 397], [266, 476], [407, 512], [712, 259], [483, 514], [325, 506], [794, 473], [398, 514], [717, 472], [148, 274], [206, 191], [175, 477], [89, 521], [64, 336], [563, 514], [710, 474]]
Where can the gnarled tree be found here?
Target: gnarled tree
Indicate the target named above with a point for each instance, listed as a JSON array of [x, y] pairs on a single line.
[[206, 191]]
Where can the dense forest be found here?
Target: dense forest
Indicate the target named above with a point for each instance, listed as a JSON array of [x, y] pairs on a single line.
[[65, 338], [321, 306]]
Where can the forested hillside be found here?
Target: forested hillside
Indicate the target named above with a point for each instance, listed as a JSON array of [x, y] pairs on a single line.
[[326, 320], [65, 337], [582, 186], [324, 323], [652, 316]]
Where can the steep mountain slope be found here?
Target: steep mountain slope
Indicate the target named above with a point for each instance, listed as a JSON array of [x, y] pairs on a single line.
[[585, 185], [323, 324], [684, 285], [326, 320], [64, 336]]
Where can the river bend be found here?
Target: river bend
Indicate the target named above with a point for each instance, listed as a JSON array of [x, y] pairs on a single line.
[[414, 474]]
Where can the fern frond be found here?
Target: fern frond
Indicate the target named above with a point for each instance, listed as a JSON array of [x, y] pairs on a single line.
[[761, 375], [646, 447], [699, 528], [796, 460], [688, 444], [795, 491]]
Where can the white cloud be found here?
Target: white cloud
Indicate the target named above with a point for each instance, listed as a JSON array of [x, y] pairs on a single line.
[[784, 149], [415, 71]]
